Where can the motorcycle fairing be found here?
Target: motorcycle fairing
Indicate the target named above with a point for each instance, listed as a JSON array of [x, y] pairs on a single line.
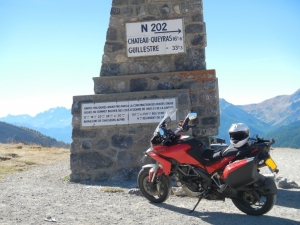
[[196, 148], [166, 165], [209, 159], [190, 150], [177, 152]]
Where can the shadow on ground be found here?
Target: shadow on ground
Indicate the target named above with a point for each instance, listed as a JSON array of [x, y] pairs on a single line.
[[288, 198], [217, 218]]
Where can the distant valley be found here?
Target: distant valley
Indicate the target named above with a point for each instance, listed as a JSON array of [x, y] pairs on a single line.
[[278, 117]]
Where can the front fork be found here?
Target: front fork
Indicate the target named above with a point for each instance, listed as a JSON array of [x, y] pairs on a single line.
[[162, 166], [154, 172]]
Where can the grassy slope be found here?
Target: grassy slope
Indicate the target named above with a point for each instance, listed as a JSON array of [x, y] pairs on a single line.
[[20, 157]]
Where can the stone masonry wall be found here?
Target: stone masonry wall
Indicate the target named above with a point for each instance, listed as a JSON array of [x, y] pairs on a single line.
[[202, 86], [114, 153], [115, 61]]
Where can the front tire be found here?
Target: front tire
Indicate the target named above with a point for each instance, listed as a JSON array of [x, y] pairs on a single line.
[[254, 203], [157, 192]]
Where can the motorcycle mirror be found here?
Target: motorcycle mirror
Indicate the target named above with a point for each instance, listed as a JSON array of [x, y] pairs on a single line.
[[192, 116], [168, 120]]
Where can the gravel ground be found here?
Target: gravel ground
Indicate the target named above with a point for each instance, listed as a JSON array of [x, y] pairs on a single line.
[[40, 196]]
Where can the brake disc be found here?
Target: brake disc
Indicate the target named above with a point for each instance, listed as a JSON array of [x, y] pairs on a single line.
[[250, 197]]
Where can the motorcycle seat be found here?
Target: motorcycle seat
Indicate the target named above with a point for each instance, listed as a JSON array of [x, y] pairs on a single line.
[[212, 156], [230, 150]]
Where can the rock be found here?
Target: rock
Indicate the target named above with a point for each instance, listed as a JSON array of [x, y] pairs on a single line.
[[50, 219], [141, 11], [153, 10], [177, 9], [165, 9], [135, 191], [285, 183], [121, 58]]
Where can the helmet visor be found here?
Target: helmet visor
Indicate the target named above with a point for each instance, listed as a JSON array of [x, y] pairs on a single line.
[[238, 136]]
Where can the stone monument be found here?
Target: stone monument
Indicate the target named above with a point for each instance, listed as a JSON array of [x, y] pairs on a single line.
[[154, 58]]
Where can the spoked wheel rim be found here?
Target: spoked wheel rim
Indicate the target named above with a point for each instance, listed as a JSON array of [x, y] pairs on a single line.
[[252, 200], [254, 203], [156, 190]]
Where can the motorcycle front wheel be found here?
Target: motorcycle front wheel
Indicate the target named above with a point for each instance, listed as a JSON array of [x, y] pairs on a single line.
[[157, 192], [253, 203]]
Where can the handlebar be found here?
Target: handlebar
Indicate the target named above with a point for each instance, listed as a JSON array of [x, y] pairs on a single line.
[[167, 136], [272, 141], [179, 129], [261, 140]]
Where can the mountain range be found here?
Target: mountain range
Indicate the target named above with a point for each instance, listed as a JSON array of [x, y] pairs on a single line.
[[278, 117], [275, 117], [15, 134], [55, 122]]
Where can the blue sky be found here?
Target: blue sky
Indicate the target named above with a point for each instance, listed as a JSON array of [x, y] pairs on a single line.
[[51, 49]]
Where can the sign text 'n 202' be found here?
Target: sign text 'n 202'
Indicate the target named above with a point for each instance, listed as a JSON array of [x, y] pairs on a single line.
[[155, 38]]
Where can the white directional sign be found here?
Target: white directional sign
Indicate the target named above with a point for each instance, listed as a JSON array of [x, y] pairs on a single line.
[[155, 38], [125, 112]]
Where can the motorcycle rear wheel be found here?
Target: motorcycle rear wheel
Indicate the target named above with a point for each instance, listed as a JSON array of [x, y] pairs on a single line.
[[157, 192], [253, 203]]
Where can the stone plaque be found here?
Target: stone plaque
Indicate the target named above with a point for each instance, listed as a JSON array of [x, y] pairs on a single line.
[[125, 112], [155, 38]]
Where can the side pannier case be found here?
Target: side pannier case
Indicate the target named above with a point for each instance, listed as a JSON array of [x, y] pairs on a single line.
[[240, 173]]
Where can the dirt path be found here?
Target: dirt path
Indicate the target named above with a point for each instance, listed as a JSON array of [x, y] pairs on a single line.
[[40, 195]]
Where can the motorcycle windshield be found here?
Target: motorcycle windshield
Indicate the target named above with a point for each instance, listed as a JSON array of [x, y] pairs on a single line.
[[168, 114]]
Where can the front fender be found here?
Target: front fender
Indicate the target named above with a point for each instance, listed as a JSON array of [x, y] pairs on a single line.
[[148, 166], [169, 180]]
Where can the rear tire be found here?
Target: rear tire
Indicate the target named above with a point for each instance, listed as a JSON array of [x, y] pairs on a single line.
[[254, 203], [157, 192]]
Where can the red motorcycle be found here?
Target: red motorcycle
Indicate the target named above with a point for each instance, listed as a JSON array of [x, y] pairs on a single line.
[[204, 173]]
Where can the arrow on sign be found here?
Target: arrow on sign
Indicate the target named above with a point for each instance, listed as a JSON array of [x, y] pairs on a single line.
[[179, 31]]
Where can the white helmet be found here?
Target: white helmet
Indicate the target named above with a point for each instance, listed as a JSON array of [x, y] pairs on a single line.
[[239, 134]]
